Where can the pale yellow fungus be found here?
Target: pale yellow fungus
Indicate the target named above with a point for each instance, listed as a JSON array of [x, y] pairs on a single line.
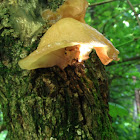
[[71, 8], [68, 40]]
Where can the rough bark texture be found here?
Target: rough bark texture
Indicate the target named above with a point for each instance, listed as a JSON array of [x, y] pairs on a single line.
[[50, 103]]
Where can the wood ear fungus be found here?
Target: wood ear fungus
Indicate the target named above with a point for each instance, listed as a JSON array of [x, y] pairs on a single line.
[[67, 40]]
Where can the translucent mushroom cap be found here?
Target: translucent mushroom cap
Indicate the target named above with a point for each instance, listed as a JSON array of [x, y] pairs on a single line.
[[71, 8], [66, 40]]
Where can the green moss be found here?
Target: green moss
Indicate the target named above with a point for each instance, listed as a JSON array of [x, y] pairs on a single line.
[[53, 4]]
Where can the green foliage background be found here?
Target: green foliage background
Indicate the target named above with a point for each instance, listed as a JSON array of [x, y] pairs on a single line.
[[116, 20]]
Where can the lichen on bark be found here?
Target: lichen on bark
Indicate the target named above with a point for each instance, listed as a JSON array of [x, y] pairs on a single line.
[[49, 103]]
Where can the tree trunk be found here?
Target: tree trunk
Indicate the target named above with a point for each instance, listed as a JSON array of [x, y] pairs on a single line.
[[49, 104]]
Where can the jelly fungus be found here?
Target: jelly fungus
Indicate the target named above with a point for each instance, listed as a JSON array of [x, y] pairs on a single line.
[[68, 40]]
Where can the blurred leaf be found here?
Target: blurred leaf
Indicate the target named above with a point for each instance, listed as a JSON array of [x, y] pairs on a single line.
[[117, 110], [3, 135]]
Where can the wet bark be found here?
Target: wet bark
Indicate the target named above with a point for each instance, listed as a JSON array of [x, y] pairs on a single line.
[[50, 103]]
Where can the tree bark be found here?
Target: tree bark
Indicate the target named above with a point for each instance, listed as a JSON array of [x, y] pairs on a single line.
[[46, 104]]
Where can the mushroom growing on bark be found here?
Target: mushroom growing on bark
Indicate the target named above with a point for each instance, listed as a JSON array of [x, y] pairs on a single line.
[[68, 40], [71, 8]]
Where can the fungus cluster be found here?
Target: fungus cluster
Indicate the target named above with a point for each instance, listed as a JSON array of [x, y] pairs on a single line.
[[69, 39]]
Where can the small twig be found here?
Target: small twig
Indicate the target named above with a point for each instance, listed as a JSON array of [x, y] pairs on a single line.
[[128, 42], [114, 16], [121, 98], [126, 60], [135, 13], [100, 3]]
